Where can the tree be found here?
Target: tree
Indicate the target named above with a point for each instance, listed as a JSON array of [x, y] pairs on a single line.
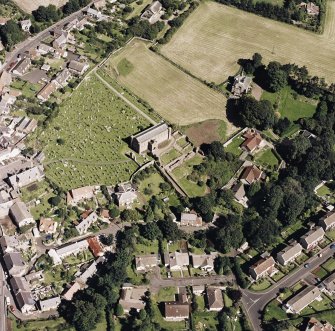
[[149, 215], [151, 231], [119, 310], [46, 14], [276, 77], [222, 265], [108, 240], [114, 212], [128, 215], [170, 230], [257, 114], [60, 141], [11, 34], [55, 201], [142, 314], [257, 60], [71, 6], [235, 295]]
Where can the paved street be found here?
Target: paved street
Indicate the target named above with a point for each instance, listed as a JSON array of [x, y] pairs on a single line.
[[3, 315], [254, 302]]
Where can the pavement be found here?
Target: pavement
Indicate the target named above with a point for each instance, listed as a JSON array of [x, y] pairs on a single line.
[[3, 312], [255, 302]]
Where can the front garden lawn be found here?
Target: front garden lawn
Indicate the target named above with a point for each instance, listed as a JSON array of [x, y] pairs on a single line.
[[260, 285]]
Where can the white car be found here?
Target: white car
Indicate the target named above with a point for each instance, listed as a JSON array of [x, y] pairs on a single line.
[[8, 301]]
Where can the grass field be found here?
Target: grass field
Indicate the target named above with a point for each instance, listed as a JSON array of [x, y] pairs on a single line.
[[176, 96], [267, 158], [92, 125], [211, 41], [290, 106], [30, 5]]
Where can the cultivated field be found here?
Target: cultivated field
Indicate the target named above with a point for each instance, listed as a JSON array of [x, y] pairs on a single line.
[[85, 142], [30, 5], [175, 95], [215, 36]]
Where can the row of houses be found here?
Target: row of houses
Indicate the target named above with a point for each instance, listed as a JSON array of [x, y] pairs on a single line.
[[266, 266], [132, 297], [176, 261]]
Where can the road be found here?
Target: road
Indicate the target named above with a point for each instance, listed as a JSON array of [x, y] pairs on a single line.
[[254, 302], [35, 40], [3, 313]]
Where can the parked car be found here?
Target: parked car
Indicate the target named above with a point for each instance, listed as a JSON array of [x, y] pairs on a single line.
[[306, 265], [332, 246]]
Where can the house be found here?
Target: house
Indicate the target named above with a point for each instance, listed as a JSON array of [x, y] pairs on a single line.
[[72, 249], [198, 289], [55, 257], [62, 78], [95, 246], [86, 223], [253, 140], [177, 310], [314, 325], [239, 192], [132, 297], [8, 244], [153, 12], [61, 40], [329, 284], [241, 85], [26, 126], [20, 214], [45, 67], [45, 93], [88, 273], [49, 304], [289, 253], [312, 238], [72, 25], [44, 49], [311, 8], [25, 25], [251, 174], [214, 299], [303, 299], [33, 277], [99, 4], [203, 261], [22, 67], [104, 213], [68, 295], [48, 225], [93, 13], [79, 194], [262, 268], [126, 199], [24, 178], [14, 264], [146, 262], [25, 302], [190, 219], [178, 261], [328, 222], [77, 68], [149, 139]]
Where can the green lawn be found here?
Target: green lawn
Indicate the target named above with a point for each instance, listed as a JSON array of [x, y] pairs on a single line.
[[93, 125], [205, 320], [261, 285], [147, 247], [329, 265], [267, 158], [234, 146], [181, 173], [201, 302], [323, 190], [289, 106], [125, 67], [166, 294], [182, 142], [49, 325], [277, 276], [322, 305], [170, 156], [150, 185], [274, 311], [227, 301], [29, 90]]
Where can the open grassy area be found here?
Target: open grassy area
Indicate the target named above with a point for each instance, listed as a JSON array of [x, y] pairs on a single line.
[[211, 41], [260, 285], [207, 132], [29, 90], [170, 156], [273, 310], [267, 158], [234, 146], [49, 325], [176, 96], [181, 173], [147, 247], [329, 265], [291, 105], [85, 144], [166, 294]]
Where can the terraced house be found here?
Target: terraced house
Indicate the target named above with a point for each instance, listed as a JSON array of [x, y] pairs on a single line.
[[312, 238], [328, 221], [289, 253], [262, 268]]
